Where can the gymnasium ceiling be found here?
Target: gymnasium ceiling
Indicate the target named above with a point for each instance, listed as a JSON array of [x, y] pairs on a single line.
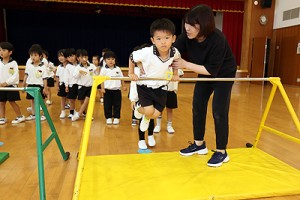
[[144, 8]]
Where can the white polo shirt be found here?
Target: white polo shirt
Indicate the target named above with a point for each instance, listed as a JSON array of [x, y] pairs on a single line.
[[36, 74], [61, 74], [9, 73], [87, 79], [153, 66], [112, 72], [69, 72]]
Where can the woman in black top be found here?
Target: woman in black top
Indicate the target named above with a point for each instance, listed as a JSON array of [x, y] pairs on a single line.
[[211, 57]]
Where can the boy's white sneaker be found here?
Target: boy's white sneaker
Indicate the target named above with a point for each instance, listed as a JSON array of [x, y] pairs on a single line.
[[170, 129], [75, 117], [109, 121], [137, 114], [116, 121], [157, 129], [142, 144], [144, 125], [43, 118], [30, 117], [101, 100], [62, 115], [48, 102], [151, 141], [3, 121], [18, 120], [70, 116]]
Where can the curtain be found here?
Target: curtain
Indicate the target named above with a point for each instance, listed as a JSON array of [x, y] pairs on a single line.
[[2, 27]]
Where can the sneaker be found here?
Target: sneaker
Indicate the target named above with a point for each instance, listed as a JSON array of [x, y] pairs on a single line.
[[116, 121], [170, 129], [3, 121], [217, 159], [193, 149], [62, 115], [109, 121], [137, 114], [75, 117], [70, 116], [18, 120], [30, 117], [144, 125], [48, 102], [142, 144], [29, 109], [133, 122], [101, 100], [157, 129], [67, 106], [151, 141], [43, 118]]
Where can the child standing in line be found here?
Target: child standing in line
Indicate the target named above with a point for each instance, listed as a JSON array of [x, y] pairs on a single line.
[[50, 76], [156, 61], [71, 80], [170, 105], [133, 97], [61, 79], [96, 62], [112, 89], [84, 72], [35, 76], [9, 77]]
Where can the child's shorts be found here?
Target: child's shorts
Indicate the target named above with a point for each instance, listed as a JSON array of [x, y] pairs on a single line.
[[83, 92], [149, 96], [50, 82], [73, 92], [9, 95], [171, 100], [62, 91], [28, 96]]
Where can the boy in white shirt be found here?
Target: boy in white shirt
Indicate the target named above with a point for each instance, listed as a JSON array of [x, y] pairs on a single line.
[[156, 61], [112, 89], [50, 76], [84, 73], [35, 76], [9, 77]]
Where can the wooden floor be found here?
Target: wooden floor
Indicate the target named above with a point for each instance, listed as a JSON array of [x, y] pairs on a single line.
[[19, 176]]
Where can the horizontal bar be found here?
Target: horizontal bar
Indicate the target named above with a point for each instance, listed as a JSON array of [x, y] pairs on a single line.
[[281, 134], [195, 79], [12, 89]]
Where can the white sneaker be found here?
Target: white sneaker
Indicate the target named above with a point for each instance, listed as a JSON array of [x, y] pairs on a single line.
[[75, 116], [142, 144], [137, 114], [18, 120], [101, 100], [62, 114], [67, 106], [116, 121], [133, 122], [170, 129], [29, 109], [70, 116], [48, 102], [151, 141], [3, 121], [43, 118], [157, 129], [30, 117], [144, 124], [109, 121]]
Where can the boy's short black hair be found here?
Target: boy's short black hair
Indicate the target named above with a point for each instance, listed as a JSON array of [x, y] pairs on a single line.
[[162, 24], [109, 54], [97, 56], [62, 52], [7, 45], [82, 52], [35, 48], [70, 52]]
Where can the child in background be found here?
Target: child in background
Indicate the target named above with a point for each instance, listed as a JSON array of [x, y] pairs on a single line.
[[84, 72], [156, 61], [102, 61], [96, 62], [50, 76], [112, 89], [61, 79], [170, 105], [35, 76], [9, 77], [71, 80]]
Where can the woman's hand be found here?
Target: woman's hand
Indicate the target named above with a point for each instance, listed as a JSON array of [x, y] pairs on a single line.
[[133, 77], [179, 64]]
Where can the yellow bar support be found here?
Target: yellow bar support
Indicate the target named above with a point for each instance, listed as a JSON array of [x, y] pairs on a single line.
[[281, 134], [86, 133]]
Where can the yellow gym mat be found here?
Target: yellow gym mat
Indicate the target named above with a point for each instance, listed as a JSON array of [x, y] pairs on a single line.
[[250, 173]]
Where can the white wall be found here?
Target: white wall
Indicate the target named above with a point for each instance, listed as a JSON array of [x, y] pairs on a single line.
[[283, 5]]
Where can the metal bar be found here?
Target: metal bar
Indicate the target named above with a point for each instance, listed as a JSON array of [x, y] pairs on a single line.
[[12, 89], [193, 79], [281, 134]]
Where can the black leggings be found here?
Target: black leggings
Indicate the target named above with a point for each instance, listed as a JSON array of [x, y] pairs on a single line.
[[150, 130], [220, 108]]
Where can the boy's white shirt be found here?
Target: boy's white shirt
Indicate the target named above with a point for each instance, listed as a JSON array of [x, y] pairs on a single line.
[[9, 73], [61, 74], [173, 85], [112, 72], [133, 94], [153, 66], [87, 79], [36, 74], [70, 79]]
